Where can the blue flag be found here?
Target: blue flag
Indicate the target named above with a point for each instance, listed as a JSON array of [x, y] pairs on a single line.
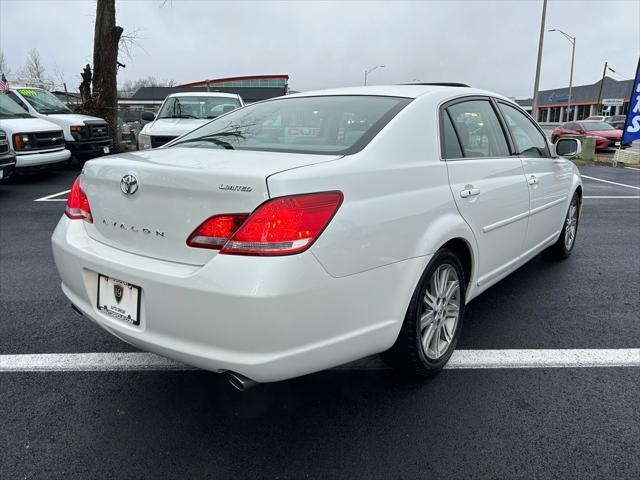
[[632, 125]]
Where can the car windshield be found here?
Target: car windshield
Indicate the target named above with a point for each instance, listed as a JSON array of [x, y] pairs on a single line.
[[43, 101], [10, 109], [596, 126], [197, 107], [322, 124]]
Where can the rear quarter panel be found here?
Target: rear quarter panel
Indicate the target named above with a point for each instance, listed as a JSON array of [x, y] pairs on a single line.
[[397, 200]]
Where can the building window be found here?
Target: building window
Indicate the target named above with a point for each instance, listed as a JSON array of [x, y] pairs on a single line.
[[625, 108], [555, 115], [568, 113], [542, 114], [583, 111]]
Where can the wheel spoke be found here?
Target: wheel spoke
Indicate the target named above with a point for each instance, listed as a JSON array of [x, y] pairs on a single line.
[[452, 310], [426, 320], [447, 334], [451, 290], [436, 341], [427, 337], [430, 300]]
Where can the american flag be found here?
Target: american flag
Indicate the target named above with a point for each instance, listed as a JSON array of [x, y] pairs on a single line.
[[4, 84]]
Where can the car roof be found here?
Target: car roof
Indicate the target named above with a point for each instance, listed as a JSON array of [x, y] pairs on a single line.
[[407, 91], [204, 94]]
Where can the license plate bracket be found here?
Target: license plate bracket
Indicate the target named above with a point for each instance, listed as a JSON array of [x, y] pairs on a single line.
[[119, 299]]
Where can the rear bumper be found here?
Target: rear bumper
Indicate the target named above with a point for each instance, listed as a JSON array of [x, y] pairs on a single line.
[[266, 318], [35, 162], [90, 148], [603, 143]]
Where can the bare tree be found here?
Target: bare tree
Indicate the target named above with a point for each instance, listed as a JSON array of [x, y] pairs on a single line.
[[34, 71], [4, 66], [129, 87]]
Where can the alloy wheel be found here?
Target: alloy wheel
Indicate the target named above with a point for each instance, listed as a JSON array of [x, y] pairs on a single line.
[[440, 312], [571, 225]]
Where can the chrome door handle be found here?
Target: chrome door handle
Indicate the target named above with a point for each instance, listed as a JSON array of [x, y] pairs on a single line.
[[532, 180], [470, 192]]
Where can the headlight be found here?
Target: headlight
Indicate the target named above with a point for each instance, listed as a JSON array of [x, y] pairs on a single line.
[[78, 132], [144, 141], [23, 141]]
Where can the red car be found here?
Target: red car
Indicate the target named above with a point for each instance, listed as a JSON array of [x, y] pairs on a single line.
[[606, 135]]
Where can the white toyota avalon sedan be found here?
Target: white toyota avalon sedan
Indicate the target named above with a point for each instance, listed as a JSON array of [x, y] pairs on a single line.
[[303, 232]]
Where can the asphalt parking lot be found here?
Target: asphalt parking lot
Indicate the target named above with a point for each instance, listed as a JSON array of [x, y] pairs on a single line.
[[358, 421]]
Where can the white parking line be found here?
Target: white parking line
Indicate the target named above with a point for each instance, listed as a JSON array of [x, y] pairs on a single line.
[[612, 196], [461, 359], [612, 183], [49, 198]]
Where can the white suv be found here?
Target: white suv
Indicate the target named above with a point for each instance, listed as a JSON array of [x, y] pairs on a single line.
[[38, 144], [307, 231], [182, 112]]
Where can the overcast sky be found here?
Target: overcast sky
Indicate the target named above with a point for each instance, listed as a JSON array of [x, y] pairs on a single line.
[[488, 44]]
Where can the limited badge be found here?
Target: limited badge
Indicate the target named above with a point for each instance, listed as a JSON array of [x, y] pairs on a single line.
[[117, 292]]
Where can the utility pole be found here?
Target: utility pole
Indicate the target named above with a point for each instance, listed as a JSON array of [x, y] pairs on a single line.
[[573, 54], [604, 72], [534, 107]]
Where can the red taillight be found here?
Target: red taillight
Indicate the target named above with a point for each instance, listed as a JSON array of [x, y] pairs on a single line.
[[215, 231], [77, 204], [284, 225]]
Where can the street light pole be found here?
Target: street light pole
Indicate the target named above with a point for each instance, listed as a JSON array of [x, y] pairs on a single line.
[[573, 54], [369, 70], [534, 107], [604, 72]]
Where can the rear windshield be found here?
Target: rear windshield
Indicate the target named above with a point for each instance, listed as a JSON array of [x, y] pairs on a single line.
[[596, 126], [197, 107], [324, 125]]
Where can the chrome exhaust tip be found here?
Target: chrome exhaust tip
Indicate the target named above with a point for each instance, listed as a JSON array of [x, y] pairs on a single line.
[[240, 382]]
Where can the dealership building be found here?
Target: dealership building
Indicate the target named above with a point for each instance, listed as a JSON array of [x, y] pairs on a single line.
[[253, 88], [552, 104]]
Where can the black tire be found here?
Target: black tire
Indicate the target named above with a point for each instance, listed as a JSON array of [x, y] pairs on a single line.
[[561, 249], [408, 353]]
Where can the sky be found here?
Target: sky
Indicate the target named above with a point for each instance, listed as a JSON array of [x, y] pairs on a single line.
[[325, 44]]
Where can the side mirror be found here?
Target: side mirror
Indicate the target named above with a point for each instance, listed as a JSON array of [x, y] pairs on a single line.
[[581, 131], [568, 147], [148, 116]]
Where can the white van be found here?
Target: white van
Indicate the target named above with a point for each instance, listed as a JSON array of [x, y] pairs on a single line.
[[85, 136], [182, 112], [38, 144]]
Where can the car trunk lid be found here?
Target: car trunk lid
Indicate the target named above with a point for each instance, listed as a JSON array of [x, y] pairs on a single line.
[[175, 190]]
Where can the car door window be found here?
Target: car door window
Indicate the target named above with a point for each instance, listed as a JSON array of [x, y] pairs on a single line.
[[528, 139], [478, 129], [450, 145]]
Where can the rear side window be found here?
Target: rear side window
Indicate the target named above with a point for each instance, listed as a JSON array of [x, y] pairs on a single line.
[[450, 144], [478, 129], [340, 124], [528, 139]]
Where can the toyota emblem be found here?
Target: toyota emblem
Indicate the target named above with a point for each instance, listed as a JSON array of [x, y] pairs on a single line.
[[129, 184]]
